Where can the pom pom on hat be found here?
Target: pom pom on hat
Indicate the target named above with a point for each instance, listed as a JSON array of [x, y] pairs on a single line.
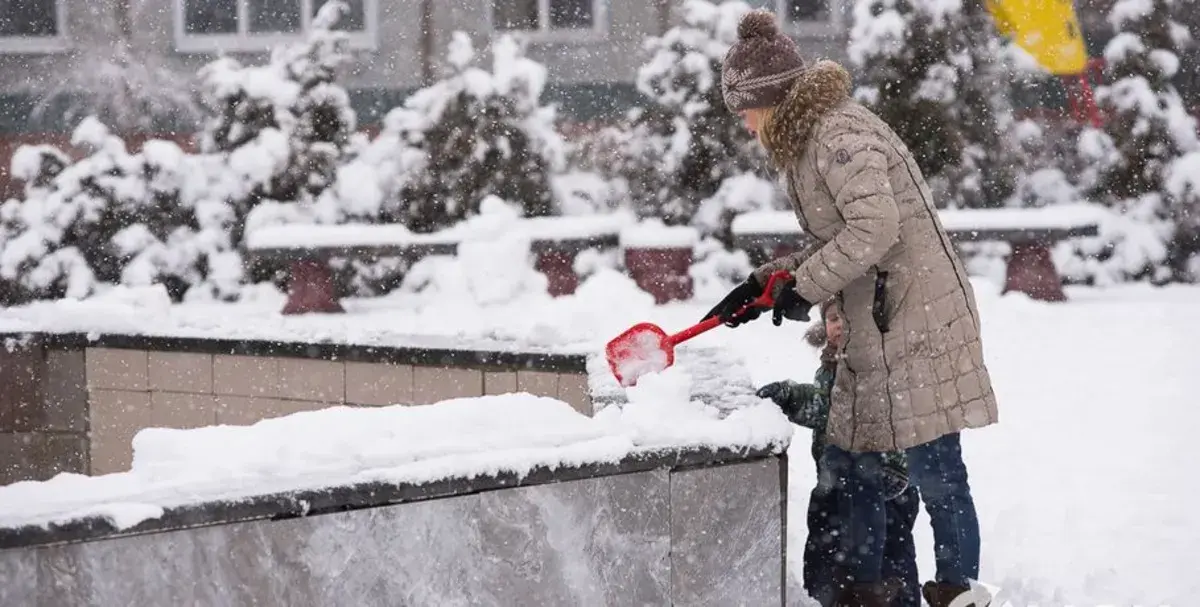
[[759, 23], [761, 66]]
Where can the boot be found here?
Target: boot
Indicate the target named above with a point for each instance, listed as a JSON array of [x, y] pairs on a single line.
[[869, 594], [941, 594]]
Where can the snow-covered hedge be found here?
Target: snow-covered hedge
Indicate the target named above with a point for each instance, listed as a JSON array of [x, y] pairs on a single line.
[[279, 146]]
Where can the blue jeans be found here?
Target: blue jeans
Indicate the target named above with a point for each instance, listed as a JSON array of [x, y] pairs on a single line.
[[823, 573], [936, 469]]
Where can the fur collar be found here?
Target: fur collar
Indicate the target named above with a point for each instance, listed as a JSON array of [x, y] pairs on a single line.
[[816, 91]]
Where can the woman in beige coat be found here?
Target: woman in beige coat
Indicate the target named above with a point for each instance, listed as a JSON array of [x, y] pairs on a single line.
[[912, 374]]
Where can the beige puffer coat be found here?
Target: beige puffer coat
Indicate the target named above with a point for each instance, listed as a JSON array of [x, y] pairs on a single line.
[[913, 368]]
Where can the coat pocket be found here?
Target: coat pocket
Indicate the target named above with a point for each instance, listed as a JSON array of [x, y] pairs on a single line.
[[879, 303]]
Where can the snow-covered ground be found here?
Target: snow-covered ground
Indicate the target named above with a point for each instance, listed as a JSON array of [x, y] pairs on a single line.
[[1084, 489]]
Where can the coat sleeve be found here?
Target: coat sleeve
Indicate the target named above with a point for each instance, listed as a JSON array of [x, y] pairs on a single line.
[[809, 411], [854, 168], [788, 262]]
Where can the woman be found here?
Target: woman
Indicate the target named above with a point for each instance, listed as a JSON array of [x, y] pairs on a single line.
[[912, 374]]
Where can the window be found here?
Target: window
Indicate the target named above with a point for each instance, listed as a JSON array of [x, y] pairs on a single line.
[[548, 16], [800, 11], [257, 25], [32, 26], [815, 16]]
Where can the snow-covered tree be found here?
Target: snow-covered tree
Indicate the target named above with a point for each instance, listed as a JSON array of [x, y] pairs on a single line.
[[475, 133], [109, 218], [678, 150], [936, 72], [277, 132], [1132, 158], [282, 126]]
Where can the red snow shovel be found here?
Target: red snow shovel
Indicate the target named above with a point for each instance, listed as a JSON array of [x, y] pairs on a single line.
[[646, 348]]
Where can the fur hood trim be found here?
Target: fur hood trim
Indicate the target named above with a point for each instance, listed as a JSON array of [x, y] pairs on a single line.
[[817, 90]]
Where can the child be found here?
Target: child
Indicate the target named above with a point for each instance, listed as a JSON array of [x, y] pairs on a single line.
[[808, 405]]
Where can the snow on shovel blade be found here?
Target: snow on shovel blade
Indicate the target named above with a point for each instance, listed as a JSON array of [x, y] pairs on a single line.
[[643, 348]]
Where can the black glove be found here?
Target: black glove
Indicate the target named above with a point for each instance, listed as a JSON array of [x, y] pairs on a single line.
[[737, 299], [787, 395], [789, 304]]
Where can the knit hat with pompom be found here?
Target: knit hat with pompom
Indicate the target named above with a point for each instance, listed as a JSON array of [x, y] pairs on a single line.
[[761, 66]]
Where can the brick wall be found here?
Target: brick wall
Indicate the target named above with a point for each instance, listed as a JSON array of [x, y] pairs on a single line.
[[77, 410]]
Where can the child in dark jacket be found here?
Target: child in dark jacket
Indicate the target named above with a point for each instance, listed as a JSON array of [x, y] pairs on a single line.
[[808, 405]]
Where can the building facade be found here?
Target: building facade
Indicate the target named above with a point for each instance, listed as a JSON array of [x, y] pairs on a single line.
[[59, 56]]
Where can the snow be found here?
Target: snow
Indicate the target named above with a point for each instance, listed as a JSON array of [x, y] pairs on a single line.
[[640, 352], [362, 234], [653, 234], [1062, 216], [339, 446], [26, 161], [1125, 11], [1084, 489]]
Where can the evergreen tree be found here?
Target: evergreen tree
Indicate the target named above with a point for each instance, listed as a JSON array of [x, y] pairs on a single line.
[[282, 128], [931, 70], [110, 218], [678, 150], [1144, 141], [474, 134]]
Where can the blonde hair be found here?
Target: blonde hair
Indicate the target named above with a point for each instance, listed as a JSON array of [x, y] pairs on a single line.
[[763, 134]]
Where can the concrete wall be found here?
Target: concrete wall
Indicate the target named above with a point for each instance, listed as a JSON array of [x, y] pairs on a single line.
[[709, 535], [77, 409]]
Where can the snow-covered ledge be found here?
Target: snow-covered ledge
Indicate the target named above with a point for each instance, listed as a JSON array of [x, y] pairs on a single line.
[[662, 497], [76, 393]]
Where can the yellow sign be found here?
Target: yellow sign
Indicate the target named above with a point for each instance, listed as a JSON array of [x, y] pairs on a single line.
[[1046, 29]]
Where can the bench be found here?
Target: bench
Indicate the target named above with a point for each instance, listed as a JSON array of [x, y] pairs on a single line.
[[765, 235], [307, 249]]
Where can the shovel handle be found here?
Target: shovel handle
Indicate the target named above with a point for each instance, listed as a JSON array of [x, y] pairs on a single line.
[[766, 300]]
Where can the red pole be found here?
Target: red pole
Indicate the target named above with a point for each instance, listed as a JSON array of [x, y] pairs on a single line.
[[1089, 101]]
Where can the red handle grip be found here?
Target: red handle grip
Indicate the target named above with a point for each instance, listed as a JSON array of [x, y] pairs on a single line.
[[766, 300]]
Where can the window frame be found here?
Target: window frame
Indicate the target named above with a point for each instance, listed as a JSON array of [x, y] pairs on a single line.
[[545, 33], [245, 42], [59, 42], [838, 22]]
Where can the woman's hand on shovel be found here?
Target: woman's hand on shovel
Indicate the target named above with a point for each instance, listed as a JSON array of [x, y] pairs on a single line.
[[741, 296], [789, 304]]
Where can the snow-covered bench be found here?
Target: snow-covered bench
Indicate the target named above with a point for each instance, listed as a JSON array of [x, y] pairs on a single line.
[[1030, 233], [307, 249]]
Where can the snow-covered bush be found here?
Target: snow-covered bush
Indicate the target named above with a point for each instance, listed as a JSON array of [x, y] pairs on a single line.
[[1138, 163], [283, 127], [274, 138], [677, 151], [109, 218], [930, 69], [473, 134]]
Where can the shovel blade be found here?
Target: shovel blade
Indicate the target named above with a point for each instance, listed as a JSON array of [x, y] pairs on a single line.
[[643, 348]]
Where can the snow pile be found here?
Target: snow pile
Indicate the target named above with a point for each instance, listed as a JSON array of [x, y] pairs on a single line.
[[654, 234], [341, 446], [641, 351], [483, 225], [493, 266]]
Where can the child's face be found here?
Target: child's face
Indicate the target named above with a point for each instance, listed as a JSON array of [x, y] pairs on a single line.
[[833, 326]]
